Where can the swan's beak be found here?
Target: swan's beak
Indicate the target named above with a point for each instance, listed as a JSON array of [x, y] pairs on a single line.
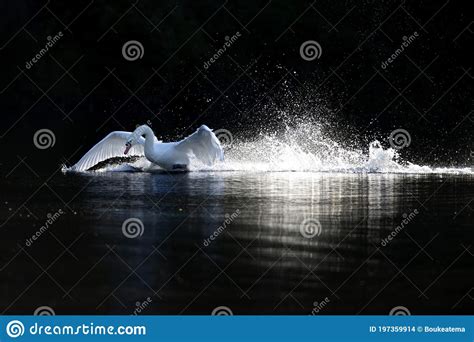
[[128, 146]]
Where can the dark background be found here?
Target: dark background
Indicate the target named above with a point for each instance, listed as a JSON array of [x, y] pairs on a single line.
[[83, 88]]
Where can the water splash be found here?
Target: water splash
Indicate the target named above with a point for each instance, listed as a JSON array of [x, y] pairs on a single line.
[[304, 147]]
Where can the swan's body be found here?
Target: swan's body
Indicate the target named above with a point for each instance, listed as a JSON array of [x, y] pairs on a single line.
[[202, 146]]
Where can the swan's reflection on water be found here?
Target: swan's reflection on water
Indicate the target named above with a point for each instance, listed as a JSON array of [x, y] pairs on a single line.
[[263, 243]]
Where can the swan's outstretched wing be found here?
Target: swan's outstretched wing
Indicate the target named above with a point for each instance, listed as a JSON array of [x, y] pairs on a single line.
[[203, 144], [113, 145]]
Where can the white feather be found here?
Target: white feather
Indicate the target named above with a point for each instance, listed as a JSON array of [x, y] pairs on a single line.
[[111, 146], [202, 144]]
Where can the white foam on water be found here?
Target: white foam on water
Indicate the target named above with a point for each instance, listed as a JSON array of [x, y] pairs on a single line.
[[304, 148]]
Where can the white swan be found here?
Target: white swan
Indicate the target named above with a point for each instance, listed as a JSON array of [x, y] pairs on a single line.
[[202, 145]]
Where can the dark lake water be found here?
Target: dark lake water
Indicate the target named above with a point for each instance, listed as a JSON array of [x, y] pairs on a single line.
[[282, 243]]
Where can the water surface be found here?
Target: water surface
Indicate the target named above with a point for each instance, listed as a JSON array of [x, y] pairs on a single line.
[[283, 243]]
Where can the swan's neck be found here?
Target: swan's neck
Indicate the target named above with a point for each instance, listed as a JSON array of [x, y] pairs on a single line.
[[147, 132]]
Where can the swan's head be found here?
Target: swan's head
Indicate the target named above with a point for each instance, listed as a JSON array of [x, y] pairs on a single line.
[[128, 146], [133, 139]]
